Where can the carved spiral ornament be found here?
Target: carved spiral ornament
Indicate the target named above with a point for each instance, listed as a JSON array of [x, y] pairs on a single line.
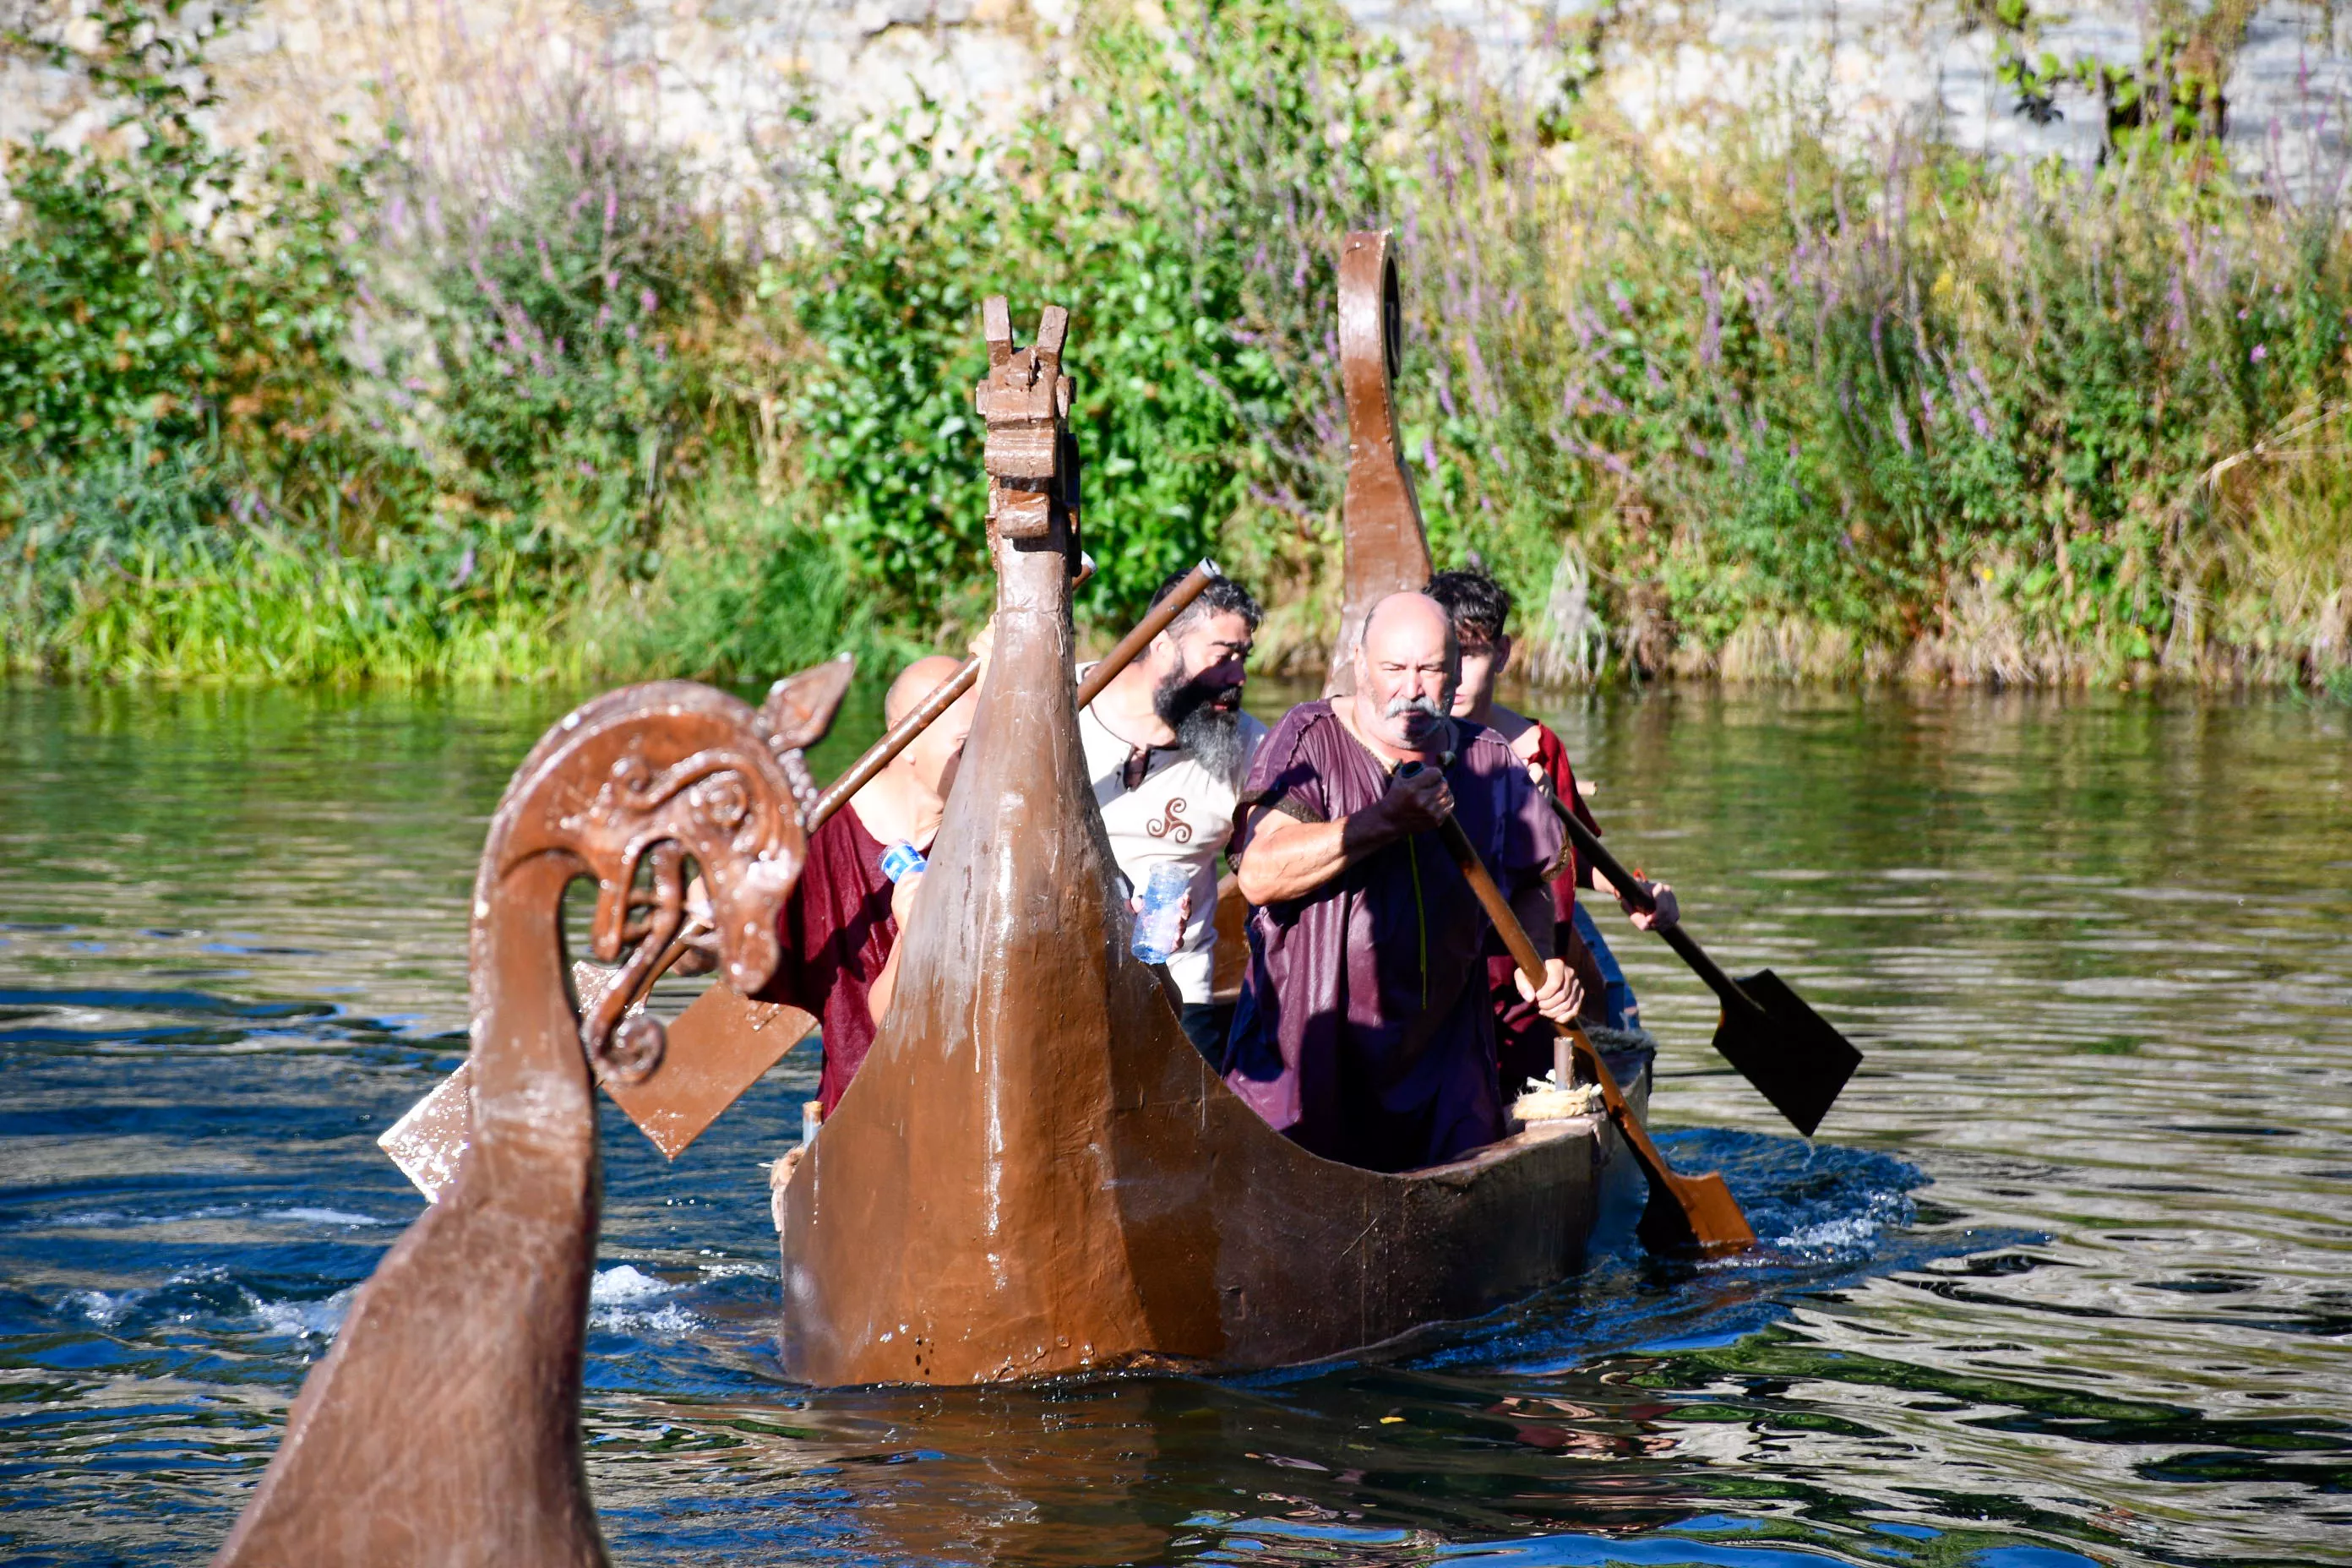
[[642, 789]]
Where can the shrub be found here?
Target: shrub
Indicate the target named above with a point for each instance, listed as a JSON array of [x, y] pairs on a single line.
[[1741, 400], [158, 283], [563, 391]]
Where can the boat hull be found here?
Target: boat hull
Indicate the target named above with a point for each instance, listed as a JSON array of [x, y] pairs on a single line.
[[1240, 1250]]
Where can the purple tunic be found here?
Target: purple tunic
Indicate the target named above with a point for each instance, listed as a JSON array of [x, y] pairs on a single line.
[[1365, 1030]]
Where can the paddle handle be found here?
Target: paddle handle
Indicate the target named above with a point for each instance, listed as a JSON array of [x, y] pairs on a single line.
[[1196, 583], [1522, 949], [1634, 892], [943, 696], [1699, 1209]]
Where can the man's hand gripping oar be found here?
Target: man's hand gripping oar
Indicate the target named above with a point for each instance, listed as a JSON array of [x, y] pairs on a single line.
[[1683, 1212], [1779, 1044], [673, 1108]]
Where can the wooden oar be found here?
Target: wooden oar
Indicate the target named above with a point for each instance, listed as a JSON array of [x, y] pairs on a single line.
[[724, 1042], [1683, 1212], [938, 701], [1790, 1053]]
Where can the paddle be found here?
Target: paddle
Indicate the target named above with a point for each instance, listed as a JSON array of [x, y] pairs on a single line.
[[938, 701], [1787, 1050], [1683, 1212], [729, 1040]]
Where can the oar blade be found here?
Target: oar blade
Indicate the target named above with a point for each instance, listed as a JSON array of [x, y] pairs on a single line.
[[1694, 1212], [1790, 1053], [719, 1048]]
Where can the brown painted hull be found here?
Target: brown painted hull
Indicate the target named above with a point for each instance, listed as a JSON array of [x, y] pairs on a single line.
[[1234, 1249]]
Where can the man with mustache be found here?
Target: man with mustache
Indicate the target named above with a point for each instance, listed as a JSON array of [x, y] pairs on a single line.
[[1364, 1029], [1166, 746]]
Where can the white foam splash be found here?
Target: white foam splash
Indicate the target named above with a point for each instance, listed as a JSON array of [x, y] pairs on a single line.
[[1849, 1235], [104, 1308], [324, 1216], [621, 1300], [303, 1320], [626, 1283], [1835, 1235], [670, 1321]]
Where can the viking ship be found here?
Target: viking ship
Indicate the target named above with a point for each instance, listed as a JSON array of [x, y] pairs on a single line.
[[1035, 1173]]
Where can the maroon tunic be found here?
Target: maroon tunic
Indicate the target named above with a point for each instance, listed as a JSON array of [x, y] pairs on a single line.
[[1364, 1029], [836, 933]]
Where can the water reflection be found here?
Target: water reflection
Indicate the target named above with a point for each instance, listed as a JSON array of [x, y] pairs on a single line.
[[2065, 1276]]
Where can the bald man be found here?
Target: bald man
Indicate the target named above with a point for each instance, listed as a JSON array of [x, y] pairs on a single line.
[[840, 928], [1365, 1031]]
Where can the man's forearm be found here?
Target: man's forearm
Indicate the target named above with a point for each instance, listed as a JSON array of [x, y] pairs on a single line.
[[884, 985], [1290, 859]]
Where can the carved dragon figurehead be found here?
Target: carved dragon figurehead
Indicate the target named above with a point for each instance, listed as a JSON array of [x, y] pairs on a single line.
[[444, 1425]]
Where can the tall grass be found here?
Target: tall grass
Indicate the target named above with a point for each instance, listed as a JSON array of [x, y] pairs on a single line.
[[1813, 417], [1741, 401]]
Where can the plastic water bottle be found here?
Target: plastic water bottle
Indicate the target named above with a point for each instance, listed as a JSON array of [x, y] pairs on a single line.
[[903, 860], [1159, 929]]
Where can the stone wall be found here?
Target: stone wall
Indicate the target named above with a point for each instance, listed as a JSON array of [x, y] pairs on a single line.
[[725, 80], [728, 80]]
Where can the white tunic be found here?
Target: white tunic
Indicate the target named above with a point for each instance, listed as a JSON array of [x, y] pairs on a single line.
[[1182, 813]]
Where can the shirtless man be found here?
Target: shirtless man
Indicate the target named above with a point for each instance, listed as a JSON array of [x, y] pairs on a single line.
[[839, 929]]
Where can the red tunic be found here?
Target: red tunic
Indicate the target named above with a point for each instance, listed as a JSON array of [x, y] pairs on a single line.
[[1523, 1036], [836, 934]]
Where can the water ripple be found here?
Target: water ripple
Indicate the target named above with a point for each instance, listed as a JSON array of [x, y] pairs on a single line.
[[2062, 1282]]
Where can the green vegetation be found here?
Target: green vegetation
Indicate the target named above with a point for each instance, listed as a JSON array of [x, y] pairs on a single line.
[[1759, 407]]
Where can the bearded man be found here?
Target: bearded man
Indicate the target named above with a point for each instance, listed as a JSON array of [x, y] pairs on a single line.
[[1168, 746], [1364, 1029]]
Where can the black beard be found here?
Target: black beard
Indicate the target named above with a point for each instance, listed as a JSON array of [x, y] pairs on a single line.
[[1206, 719]]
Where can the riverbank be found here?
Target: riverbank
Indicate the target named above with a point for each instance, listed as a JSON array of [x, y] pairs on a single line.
[[1736, 402]]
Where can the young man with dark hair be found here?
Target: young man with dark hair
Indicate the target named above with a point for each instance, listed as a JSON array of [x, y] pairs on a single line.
[[1480, 609], [1168, 746]]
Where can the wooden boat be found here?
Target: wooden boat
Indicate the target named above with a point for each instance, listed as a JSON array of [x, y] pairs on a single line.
[[1035, 1173]]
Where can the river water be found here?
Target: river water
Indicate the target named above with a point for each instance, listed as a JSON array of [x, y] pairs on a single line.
[[2067, 1276]]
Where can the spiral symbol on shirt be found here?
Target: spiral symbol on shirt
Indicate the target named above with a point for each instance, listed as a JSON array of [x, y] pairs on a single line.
[[1170, 825]]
